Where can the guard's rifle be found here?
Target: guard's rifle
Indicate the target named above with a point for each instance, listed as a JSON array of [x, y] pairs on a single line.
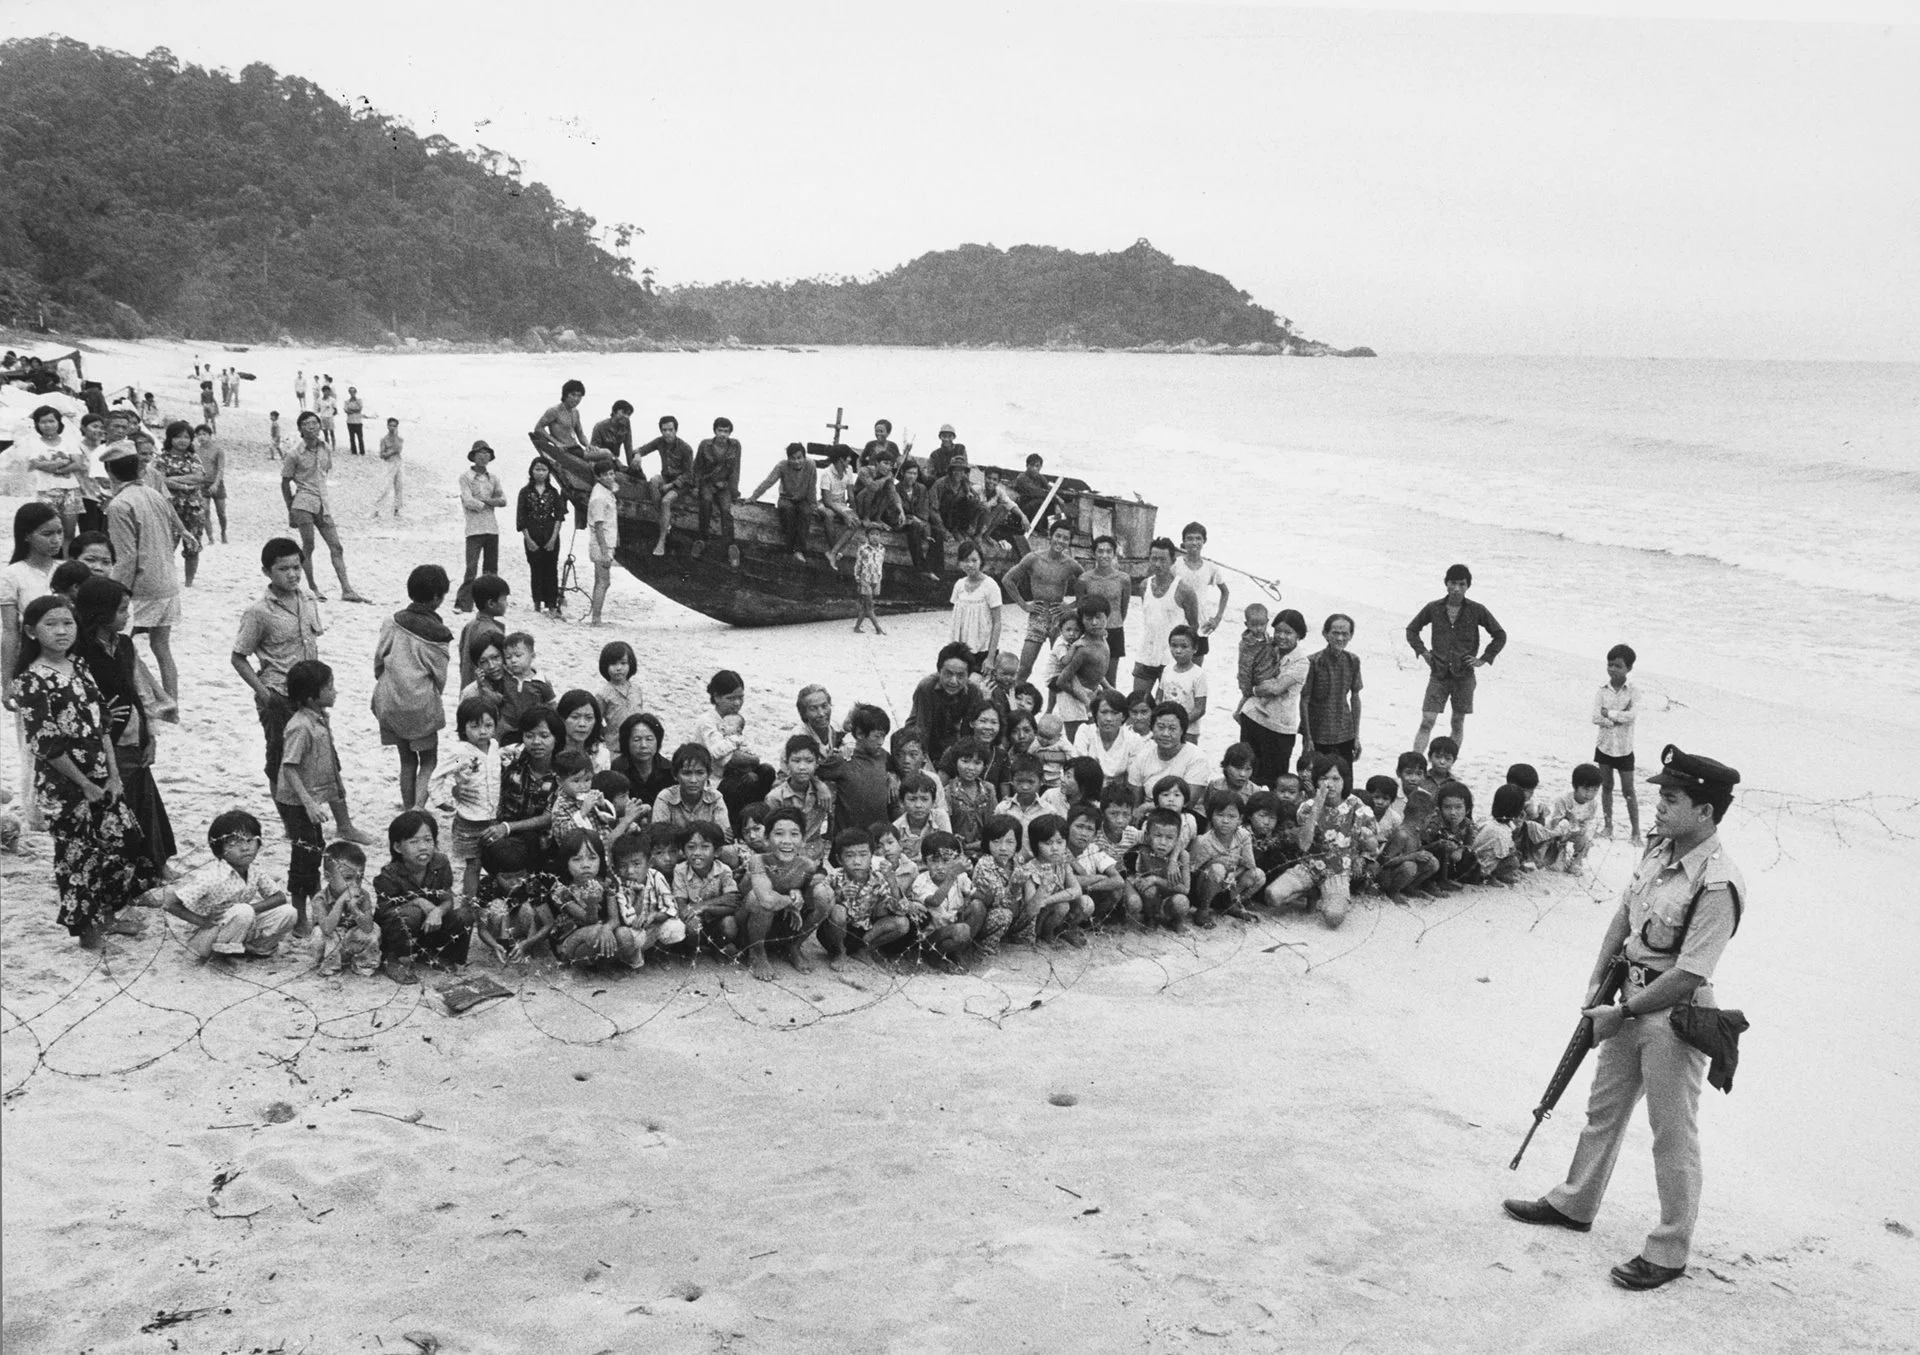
[[1611, 982]]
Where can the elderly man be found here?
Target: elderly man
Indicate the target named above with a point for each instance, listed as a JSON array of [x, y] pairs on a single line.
[[815, 704]]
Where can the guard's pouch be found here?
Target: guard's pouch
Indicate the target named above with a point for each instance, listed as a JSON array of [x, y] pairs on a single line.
[[1715, 1033]]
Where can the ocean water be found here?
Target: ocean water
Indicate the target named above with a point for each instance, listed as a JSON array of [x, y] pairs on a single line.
[[1747, 524]]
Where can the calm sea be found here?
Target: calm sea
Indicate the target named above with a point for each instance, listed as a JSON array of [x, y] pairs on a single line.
[[1748, 524]]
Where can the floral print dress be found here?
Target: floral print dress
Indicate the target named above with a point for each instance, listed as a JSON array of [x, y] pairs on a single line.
[[190, 504], [99, 862]]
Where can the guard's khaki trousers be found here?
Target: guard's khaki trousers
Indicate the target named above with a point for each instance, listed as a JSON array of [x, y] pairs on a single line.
[[1646, 1057]]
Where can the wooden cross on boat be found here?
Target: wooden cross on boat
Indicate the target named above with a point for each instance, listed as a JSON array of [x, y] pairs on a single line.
[[839, 424]]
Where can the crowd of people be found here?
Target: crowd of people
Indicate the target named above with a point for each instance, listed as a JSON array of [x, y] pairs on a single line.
[[1028, 797]]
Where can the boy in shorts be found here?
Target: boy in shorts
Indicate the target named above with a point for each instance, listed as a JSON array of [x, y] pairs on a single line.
[[1615, 708], [705, 890], [603, 532], [303, 484]]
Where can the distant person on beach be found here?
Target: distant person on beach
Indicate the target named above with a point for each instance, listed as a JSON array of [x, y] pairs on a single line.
[[1040, 586], [390, 448], [274, 443], [213, 468], [300, 389], [1454, 653], [1616, 708], [1201, 575], [798, 499], [356, 423], [614, 434], [1678, 913], [327, 406], [409, 674], [276, 632], [716, 479], [480, 493], [303, 484], [186, 486]]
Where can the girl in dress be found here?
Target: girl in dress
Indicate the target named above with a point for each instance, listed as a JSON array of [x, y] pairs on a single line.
[[36, 549], [976, 607], [621, 695], [99, 867]]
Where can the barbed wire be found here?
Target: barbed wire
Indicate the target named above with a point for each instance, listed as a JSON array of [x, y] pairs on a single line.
[[1004, 989]]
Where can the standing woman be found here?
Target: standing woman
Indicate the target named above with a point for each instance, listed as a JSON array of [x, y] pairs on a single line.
[[976, 607], [98, 866], [1269, 719], [537, 518], [101, 611], [1330, 700], [36, 550], [57, 465], [186, 481]]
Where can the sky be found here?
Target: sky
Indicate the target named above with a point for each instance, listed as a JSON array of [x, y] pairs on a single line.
[[1699, 178]]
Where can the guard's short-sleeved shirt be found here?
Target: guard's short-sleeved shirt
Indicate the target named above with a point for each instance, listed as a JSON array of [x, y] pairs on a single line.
[[1656, 901]]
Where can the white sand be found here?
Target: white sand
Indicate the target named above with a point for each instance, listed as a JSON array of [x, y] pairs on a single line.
[[1284, 1138]]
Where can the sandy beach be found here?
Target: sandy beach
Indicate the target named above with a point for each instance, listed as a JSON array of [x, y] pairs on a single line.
[[1267, 1137]]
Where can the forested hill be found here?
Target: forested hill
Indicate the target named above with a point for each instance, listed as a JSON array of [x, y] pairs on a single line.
[[141, 194], [1029, 296]]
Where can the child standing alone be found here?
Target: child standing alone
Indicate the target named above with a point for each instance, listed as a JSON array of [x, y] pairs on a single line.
[[1615, 708]]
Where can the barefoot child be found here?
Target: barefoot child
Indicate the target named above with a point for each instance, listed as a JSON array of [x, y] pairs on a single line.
[[938, 897], [1056, 901], [706, 892], [1224, 873], [1494, 846], [1616, 706], [619, 694], [1406, 867], [970, 799], [997, 902], [861, 901], [308, 786], [515, 916], [418, 913], [779, 906], [1570, 819], [643, 865], [472, 772], [869, 570], [1098, 868], [231, 909], [590, 923], [800, 787], [409, 674], [1161, 874], [348, 937]]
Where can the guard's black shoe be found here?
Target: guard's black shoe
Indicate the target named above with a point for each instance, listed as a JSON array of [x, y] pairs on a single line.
[[1640, 1273], [1539, 1211]]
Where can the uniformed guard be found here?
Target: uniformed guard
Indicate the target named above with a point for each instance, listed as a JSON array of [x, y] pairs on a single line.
[[1678, 912]]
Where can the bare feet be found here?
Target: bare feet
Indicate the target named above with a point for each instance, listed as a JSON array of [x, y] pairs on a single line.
[[762, 971], [837, 963], [355, 597], [797, 958], [877, 630]]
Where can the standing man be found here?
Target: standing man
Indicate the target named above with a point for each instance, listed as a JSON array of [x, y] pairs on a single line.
[[1040, 586], [279, 630], [480, 493], [799, 497], [1454, 653], [356, 412], [303, 484], [145, 532], [614, 434], [300, 389], [1680, 909], [716, 480], [1165, 602]]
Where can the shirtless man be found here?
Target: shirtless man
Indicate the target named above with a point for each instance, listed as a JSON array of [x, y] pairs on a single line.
[[1040, 585], [560, 427]]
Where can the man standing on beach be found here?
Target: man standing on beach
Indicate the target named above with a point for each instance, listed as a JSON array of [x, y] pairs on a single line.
[[1680, 909], [300, 389], [303, 484], [1454, 654], [1040, 586], [145, 532], [356, 411]]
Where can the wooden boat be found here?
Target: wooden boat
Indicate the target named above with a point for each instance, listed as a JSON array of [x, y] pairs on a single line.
[[759, 583]]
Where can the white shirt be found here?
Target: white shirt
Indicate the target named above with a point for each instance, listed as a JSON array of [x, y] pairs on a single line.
[[1203, 581], [1614, 711], [1187, 763], [475, 774], [1114, 760], [973, 611], [1186, 690], [23, 581], [603, 518]]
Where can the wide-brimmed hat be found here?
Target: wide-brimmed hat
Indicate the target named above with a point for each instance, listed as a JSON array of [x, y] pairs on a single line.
[[479, 447]]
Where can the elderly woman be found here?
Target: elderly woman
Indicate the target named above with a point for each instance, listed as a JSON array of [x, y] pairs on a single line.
[[1330, 698]]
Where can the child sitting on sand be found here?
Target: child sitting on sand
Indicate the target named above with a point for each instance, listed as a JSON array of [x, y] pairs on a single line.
[[347, 936], [230, 909], [1405, 865], [1225, 876], [1442, 753], [1056, 902], [862, 900], [1570, 819], [1098, 868], [691, 799], [935, 903], [1494, 847], [1530, 835], [589, 923], [706, 893], [970, 800], [1382, 791], [514, 912], [644, 900], [997, 901], [1161, 873], [1449, 836], [418, 913], [780, 910]]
